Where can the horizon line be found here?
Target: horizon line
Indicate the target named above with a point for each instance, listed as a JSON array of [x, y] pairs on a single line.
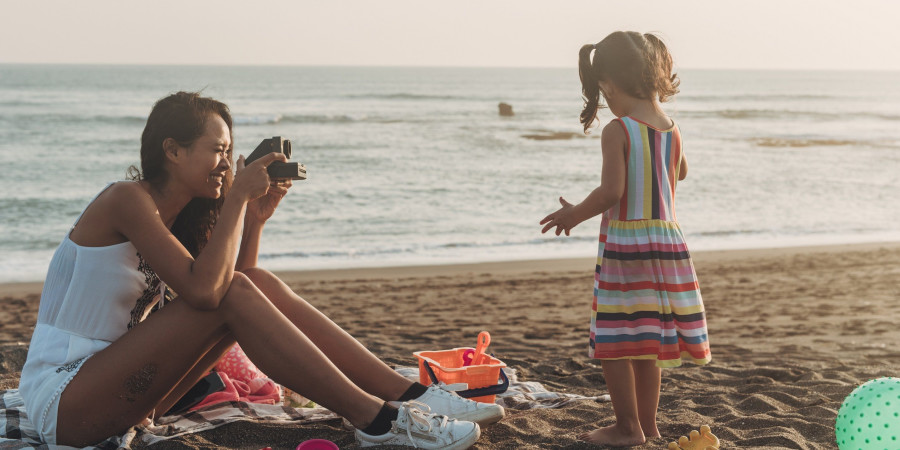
[[403, 66]]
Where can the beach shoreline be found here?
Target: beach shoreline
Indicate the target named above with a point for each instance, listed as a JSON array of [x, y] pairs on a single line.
[[793, 330], [19, 288]]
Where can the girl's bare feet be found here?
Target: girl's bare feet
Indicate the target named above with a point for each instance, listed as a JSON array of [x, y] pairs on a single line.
[[614, 436]]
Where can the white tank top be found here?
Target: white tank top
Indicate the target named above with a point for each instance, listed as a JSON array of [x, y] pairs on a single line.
[[91, 297]]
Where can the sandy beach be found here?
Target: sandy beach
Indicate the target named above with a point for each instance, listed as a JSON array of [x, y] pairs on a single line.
[[792, 332]]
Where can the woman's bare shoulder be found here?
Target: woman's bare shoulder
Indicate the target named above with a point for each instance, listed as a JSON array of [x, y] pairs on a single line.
[[97, 226], [125, 198], [127, 193]]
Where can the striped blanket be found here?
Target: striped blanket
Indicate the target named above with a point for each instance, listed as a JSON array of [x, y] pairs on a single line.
[[17, 432]]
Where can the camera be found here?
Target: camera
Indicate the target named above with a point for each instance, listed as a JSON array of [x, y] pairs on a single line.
[[278, 170]]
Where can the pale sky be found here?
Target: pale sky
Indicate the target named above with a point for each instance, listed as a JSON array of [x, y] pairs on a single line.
[[758, 34]]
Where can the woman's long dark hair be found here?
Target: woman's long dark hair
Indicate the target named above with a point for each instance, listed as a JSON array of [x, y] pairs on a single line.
[[182, 116], [639, 64]]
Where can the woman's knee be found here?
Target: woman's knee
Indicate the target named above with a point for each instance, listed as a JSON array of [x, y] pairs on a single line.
[[241, 281], [242, 289], [257, 274], [264, 280]]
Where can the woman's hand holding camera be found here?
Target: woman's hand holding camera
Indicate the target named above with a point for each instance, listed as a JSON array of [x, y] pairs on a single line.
[[262, 193], [253, 181]]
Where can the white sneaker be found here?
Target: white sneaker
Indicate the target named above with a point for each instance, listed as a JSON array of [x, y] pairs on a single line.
[[417, 427], [440, 398]]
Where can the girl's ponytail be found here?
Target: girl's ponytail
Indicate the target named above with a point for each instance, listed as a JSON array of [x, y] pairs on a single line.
[[658, 72], [589, 87]]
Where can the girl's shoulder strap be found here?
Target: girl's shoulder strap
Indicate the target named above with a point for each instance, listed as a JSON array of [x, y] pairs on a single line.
[[625, 121], [628, 125]]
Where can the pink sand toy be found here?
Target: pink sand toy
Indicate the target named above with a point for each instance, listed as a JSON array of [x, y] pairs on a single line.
[[317, 444], [476, 356]]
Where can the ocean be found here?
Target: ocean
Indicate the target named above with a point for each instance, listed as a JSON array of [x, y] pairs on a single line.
[[412, 166]]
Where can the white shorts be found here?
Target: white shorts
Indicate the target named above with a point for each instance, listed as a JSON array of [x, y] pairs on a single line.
[[42, 403]]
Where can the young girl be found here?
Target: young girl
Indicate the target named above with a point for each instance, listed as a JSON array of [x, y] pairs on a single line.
[[647, 311], [98, 364]]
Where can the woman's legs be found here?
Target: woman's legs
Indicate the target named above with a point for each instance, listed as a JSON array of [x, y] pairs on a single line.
[[122, 384], [209, 360], [358, 363], [620, 382], [647, 384]]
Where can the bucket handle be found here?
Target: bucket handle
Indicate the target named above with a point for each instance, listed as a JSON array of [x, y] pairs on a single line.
[[499, 388]]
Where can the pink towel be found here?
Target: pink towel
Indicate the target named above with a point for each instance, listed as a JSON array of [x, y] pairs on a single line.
[[244, 382]]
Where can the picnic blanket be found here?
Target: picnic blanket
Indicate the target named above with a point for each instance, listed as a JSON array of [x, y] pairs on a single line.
[[17, 432]]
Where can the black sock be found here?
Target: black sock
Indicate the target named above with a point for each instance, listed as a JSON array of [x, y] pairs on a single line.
[[382, 422], [415, 391]]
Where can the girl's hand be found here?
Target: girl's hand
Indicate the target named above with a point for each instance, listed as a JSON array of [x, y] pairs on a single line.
[[563, 219], [262, 208], [252, 181]]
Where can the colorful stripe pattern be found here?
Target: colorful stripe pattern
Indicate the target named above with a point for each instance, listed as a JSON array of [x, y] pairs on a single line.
[[647, 302]]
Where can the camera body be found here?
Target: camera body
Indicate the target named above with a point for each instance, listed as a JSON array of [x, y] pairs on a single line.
[[278, 170]]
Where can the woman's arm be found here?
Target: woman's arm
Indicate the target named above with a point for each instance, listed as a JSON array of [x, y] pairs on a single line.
[[200, 282], [612, 185], [258, 212], [249, 252], [203, 281]]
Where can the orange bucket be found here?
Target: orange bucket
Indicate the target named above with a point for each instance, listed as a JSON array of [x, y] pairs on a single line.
[[481, 372]]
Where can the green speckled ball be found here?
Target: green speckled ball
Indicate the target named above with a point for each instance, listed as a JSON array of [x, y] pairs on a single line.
[[869, 418]]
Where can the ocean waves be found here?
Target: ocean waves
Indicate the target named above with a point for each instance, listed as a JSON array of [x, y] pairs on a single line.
[[751, 114], [408, 96], [802, 142], [72, 119], [66, 119], [549, 135], [773, 97], [261, 119], [272, 119], [821, 141], [415, 166], [786, 114], [14, 209], [475, 248]]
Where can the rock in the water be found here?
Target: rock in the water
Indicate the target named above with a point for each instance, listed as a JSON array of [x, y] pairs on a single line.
[[506, 109]]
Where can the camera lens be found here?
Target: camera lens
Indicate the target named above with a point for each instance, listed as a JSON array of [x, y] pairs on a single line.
[[287, 148]]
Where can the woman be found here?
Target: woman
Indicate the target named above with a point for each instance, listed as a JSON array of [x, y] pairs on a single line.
[[98, 365]]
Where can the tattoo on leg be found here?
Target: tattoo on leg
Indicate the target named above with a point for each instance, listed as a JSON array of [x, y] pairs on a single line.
[[139, 383]]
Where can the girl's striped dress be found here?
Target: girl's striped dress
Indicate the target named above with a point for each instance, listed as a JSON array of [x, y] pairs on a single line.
[[647, 302]]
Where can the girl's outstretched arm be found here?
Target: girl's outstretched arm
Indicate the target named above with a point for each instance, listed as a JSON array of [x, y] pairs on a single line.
[[612, 184]]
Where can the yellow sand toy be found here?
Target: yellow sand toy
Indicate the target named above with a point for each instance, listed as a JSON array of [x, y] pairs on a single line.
[[703, 440]]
